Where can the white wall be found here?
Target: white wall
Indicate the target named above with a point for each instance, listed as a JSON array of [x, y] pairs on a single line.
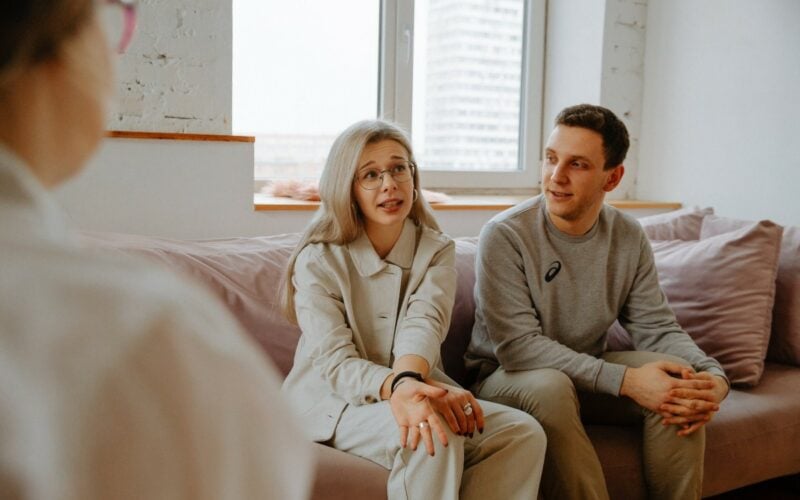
[[176, 75], [721, 107], [192, 190], [595, 54]]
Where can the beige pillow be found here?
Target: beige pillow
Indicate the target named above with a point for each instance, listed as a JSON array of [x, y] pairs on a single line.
[[683, 224], [784, 345], [722, 289]]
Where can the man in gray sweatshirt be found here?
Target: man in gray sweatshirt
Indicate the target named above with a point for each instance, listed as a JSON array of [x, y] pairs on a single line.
[[552, 275]]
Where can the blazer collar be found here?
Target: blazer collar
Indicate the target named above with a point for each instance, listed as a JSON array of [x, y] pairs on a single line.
[[368, 262]]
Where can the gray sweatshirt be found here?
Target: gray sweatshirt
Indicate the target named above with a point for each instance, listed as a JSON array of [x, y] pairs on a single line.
[[545, 299]]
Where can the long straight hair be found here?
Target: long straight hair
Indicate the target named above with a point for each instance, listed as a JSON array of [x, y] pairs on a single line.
[[338, 219]]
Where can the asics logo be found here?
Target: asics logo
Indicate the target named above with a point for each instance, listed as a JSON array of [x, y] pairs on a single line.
[[555, 267]]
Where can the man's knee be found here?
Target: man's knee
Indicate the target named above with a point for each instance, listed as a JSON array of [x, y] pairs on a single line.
[[546, 394]]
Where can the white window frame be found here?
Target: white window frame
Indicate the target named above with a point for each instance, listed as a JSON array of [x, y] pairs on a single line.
[[395, 83]]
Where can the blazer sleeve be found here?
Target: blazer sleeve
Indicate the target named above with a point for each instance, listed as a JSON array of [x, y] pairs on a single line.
[[427, 319], [328, 339]]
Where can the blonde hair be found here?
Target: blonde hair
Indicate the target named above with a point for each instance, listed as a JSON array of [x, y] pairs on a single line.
[[338, 219]]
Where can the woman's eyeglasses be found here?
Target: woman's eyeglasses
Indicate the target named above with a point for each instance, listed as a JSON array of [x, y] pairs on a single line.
[[118, 18], [372, 178]]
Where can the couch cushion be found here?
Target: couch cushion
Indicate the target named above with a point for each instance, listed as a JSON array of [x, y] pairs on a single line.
[[784, 345], [721, 289], [342, 476], [455, 345], [755, 434], [683, 224], [751, 439], [245, 273]]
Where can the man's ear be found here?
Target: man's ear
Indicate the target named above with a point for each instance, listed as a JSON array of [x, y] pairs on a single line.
[[614, 177]]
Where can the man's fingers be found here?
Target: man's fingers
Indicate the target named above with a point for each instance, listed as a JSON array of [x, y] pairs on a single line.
[[698, 384], [701, 394], [671, 419], [674, 368], [692, 428], [682, 406]]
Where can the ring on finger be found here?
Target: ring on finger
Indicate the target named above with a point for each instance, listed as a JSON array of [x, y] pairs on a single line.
[[423, 425], [467, 409]]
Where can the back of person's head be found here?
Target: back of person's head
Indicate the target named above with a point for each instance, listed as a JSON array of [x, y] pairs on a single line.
[[339, 220], [604, 122], [33, 31]]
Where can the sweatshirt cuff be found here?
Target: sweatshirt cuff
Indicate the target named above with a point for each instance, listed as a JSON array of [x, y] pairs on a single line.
[[609, 379]]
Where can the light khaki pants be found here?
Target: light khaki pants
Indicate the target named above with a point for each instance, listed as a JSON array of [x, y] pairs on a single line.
[[505, 462], [673, 465]]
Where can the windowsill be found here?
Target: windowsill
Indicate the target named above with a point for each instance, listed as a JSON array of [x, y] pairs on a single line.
[[458, 202]]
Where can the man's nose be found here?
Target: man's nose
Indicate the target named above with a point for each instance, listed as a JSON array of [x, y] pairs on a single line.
[[559, 173]]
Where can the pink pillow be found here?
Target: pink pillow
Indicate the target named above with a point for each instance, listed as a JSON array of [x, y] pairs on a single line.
[[245, 273], [722, 289], [784, 346], [683, 224]]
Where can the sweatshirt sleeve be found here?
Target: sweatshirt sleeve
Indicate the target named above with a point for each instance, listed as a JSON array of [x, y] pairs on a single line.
[[646, 315], [504, 301]]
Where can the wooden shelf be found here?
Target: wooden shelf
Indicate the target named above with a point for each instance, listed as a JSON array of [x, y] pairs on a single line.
[[124, 134], [267, 203]]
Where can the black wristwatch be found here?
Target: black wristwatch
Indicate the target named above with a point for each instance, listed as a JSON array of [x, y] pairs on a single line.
[[408, 374]]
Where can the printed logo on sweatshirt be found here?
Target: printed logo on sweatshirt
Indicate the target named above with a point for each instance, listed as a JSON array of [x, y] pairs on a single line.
[[555, 267]]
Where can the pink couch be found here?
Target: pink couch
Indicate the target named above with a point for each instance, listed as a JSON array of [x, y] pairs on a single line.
[[755, 437]]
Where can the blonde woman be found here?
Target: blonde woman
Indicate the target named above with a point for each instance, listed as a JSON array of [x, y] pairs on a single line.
[[371, 285], [117, 381]]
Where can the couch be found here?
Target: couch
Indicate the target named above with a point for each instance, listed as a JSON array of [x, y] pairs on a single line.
[[754, 437]]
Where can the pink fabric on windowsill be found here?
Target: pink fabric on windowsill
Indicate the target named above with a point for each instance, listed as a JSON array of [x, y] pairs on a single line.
[[309, 191]]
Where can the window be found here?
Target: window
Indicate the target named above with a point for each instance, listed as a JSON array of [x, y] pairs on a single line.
[[464, 76]]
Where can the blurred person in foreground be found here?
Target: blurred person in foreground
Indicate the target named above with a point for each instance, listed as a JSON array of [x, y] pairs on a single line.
[[116, 380]]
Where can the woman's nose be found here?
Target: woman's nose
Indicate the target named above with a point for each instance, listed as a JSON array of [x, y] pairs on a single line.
[[388, 182]]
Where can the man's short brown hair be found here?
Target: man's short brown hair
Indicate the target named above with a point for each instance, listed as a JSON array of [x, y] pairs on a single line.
[[604, 122]]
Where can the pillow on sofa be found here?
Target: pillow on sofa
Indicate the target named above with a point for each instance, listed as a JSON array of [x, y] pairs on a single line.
[[784, 346], [455, 344], [722, 289], [245, 273], [683, 224]]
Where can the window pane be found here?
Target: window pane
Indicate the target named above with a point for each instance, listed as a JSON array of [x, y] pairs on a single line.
[[302, 72], [467, 83]]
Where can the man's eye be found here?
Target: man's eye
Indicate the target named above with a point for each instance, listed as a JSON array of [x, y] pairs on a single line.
[[550, 159]]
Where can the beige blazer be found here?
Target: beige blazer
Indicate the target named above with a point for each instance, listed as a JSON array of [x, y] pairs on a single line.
[[359, 312]]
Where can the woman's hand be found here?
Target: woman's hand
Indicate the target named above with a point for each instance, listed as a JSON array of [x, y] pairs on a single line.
[[415, 415], [460, 409]]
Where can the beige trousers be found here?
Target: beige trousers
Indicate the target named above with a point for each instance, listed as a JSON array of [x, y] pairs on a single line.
[[673, 465], [505, 462]]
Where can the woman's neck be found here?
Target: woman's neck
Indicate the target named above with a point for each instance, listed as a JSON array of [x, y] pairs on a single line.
[[383, 238]]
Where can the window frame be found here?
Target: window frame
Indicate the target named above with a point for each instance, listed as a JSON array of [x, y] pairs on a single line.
[[395, 92]]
